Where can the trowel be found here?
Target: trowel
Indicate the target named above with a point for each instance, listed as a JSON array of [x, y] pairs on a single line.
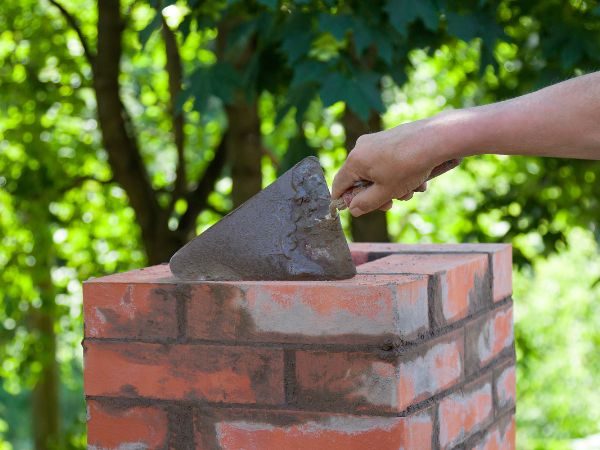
[[288, 231]]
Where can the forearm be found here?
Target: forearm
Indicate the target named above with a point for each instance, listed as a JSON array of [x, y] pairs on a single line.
[[562, 120]]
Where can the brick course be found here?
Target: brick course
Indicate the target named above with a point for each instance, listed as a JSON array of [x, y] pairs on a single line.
[[415, 352]]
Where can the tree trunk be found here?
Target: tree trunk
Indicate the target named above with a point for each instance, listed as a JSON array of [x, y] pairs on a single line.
[[371, 227], [45, 407], [45, 412], [244, 150], [118, 134], [164, 246]]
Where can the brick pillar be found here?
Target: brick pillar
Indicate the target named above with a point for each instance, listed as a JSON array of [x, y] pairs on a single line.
[[415, 352]]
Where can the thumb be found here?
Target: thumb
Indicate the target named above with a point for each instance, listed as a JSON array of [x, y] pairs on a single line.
[[369, 200]]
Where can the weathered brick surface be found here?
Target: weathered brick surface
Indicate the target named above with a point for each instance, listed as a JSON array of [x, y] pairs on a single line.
[[365, 381], [117, 428], [193, 372], [259, 430], [412, 353], [464, 413], [488, 336], [501, 436], [505, 386], [436, 366], [461, 283], [500, 255], [122, 310], [364, 309]]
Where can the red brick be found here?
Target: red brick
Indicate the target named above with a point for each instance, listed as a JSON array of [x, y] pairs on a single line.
[[363, 381], [116, 428], [153, 274], [488, 336], [431, 370], [119, 310], [193, 372], [256, 430], [505, 381], [501, 436], [464, 413], [461, 282], [361, 310], [500, 255], [360, 258], [502, 264]]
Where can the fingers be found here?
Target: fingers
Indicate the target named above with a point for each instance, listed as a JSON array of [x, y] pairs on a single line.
[[387, 206], [343, 181], [422, 187], [369, 199], [407, 196]]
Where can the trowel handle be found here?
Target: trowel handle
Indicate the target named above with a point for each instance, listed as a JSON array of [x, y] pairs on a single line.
[[344, 201], [444, 167]]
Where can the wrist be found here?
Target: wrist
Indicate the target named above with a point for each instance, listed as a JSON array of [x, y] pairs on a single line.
[[458, 133]]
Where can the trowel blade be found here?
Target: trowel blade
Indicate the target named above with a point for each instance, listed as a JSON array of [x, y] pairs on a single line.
[[282, 233]]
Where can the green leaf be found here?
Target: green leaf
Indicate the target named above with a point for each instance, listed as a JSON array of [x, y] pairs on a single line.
[[462, 26], [238, 37], [360, 93], [145, 34], [571, 53], [404, 12], [219, 80], [336, 24], [309, 70], [271, 4], [384, 46], [298, 97], [298, 37], [296, 46], [363, 37]]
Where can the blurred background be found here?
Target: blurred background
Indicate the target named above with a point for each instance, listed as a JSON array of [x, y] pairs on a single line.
[[126, 127]]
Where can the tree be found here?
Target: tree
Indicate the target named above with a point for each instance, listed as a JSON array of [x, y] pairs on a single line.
[[118, 122]]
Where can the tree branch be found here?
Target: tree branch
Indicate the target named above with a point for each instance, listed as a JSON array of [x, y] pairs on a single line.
[[117, 134], [174, 70], [78, 182], [197, 200], [75, 25]]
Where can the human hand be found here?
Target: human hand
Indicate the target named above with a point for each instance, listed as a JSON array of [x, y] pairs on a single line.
[[394, 163]]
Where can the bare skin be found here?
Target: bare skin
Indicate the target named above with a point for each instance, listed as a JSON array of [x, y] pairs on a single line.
[[562, 120]]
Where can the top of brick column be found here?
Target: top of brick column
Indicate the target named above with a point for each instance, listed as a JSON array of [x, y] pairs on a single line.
[[399, 294]]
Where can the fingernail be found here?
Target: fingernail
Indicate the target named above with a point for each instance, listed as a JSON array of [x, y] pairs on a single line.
[[356, 211]]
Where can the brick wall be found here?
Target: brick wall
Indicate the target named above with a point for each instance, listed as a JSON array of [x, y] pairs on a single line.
[[415, 352]]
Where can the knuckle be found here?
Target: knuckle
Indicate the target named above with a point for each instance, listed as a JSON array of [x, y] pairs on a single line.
[[362, 140]]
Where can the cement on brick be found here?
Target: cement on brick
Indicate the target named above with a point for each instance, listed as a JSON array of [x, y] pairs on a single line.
[[473, 409], [345, 381], [129, 311], [417, 378], [500, 256], [460, 283], [488, 343], [412, 310], [332, 432], [294, 315], [483, 341], [359, 310], [125, 427], [124, 446], [178, 372], [501, 436], [506, 387]]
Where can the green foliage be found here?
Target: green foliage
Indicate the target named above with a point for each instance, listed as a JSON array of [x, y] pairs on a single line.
[[305, 62]]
